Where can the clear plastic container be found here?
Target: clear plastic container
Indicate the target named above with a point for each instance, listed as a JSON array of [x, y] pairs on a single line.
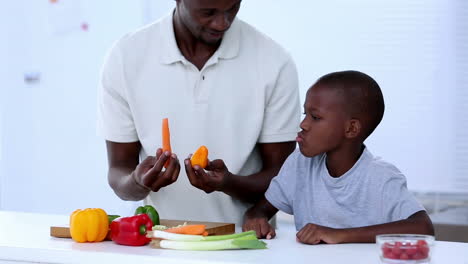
[[405, 248]]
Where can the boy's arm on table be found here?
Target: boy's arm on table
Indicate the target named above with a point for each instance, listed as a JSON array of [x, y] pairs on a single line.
[[418, 223], [256, 218]]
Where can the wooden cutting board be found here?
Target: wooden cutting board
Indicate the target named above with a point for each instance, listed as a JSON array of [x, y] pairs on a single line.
[[213, 228]]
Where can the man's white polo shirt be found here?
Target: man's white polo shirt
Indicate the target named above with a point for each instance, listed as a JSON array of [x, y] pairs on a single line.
[[247, 93]]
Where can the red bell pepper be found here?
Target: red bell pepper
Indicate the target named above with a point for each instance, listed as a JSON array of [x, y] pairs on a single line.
[[131, 231]]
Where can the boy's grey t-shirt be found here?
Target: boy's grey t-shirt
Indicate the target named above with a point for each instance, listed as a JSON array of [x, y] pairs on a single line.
[[371, 192]]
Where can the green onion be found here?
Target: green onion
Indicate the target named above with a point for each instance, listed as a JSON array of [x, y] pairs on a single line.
[[238, 243], [245, 240], [180, 237]]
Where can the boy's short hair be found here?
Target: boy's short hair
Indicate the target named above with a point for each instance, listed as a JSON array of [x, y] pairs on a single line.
[[362, 96]]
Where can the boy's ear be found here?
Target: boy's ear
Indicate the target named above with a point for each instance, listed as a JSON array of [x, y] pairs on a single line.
[[353, 128]]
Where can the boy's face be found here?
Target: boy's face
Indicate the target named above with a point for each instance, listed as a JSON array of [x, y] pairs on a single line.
[[324, 124]]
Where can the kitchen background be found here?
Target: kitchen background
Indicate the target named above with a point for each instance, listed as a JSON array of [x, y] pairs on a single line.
[[51, 160]]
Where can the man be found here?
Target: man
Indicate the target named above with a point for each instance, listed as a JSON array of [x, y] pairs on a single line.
[[222, 84]]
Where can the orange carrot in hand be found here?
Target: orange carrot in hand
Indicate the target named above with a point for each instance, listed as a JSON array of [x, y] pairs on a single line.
[[188, 230], [166, 138], [200, 157]]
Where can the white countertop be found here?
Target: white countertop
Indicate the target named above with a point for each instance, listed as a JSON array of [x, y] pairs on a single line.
[[25, 237]]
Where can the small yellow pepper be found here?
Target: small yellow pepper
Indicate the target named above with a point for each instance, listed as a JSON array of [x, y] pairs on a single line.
[[89, 225]]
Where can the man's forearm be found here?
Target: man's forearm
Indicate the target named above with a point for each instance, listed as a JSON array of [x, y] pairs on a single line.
[[249, 188], [419, 225], [125, 186]]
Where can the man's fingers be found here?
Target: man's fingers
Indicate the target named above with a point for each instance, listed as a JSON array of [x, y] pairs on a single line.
[[201, 174], [146, 164], [175, 175], [167, 177], [152, 175], [190, 173], [215, 165], [159, 151], [161, 160], [171, 169]]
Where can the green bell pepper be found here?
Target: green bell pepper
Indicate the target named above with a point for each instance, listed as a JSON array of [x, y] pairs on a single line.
[[112, 217], [150, 211]]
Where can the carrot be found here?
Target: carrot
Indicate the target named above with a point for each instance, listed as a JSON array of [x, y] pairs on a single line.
[[166, 138], [188, 230], [204, 233], [200, 157]]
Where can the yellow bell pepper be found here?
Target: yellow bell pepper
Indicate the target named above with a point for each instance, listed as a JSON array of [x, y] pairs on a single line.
[[89, 225]]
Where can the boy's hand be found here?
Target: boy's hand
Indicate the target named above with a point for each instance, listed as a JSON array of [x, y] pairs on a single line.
[[261, 226], [314, 234]]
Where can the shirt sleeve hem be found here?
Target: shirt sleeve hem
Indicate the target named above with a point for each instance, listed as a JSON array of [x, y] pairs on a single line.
[[412, 212], [119, 138], [277, 204]]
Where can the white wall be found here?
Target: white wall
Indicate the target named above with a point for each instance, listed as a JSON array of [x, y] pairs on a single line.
[[51, 161]]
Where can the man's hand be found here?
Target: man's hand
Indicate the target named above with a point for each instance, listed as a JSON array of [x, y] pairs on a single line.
[[261, 226], [149, 173], [213, 179], [314, 234]]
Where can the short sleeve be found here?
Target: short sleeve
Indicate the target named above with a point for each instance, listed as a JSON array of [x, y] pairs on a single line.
[[281, 191], [398, 202], [114, 117], [282, 113]]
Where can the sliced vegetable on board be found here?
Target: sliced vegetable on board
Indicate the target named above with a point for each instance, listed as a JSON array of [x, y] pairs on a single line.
[[188, 229]]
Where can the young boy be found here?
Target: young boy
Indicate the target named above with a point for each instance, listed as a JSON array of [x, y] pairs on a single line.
[[336, 189]]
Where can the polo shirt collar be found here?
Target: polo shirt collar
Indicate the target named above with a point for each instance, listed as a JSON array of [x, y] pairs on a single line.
[[170, 52]]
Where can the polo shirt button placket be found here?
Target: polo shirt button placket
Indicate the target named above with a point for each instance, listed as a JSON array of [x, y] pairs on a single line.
[[197, 87], [201, 95]]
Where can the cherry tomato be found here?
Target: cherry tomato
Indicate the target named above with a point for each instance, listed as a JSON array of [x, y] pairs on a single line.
[[411, 250], [396, 250], [404, 256]]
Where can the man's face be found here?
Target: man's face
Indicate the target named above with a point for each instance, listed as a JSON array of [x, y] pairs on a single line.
[[208, 20], [324, 125]]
